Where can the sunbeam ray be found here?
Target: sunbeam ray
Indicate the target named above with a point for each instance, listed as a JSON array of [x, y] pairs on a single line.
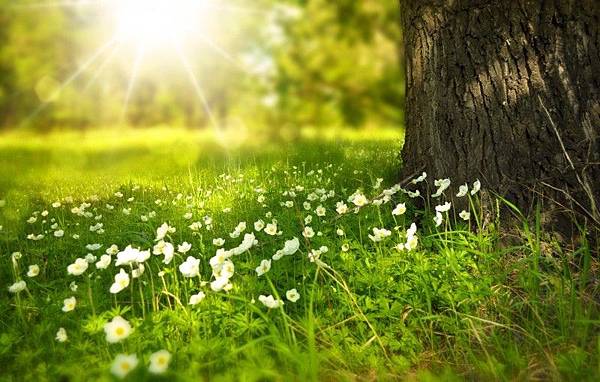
[[57, 4], [101, 68], [233, 8], [188, 68], [70, 79], [134, 73], [226, 55]]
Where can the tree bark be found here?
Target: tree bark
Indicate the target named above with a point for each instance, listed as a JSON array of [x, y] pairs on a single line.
[[506, 91]]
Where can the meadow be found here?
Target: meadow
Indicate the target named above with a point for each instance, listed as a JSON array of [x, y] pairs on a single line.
[[173, 254]]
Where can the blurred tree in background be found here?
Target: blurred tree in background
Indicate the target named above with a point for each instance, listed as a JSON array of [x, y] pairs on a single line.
[[268, 63]]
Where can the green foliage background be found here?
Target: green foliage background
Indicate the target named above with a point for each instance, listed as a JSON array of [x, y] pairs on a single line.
[[313, 62]]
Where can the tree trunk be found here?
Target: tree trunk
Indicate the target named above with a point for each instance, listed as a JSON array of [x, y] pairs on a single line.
[[506, 91]]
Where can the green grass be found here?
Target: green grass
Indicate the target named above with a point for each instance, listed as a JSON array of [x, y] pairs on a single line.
[[472, 301]]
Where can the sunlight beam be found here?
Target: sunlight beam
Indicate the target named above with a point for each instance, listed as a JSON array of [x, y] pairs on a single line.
[[70, 79], [186, 64], [226, 55], [57, 4], [134, 73], [102, 66], [234, 8]]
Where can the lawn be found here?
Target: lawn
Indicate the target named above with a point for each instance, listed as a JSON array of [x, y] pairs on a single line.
[[187, 255]]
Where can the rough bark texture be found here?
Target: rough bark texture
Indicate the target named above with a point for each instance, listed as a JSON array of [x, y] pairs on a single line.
[[496, 89]]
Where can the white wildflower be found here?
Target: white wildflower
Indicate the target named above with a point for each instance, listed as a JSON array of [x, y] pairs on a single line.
[[308, 232], [17, 287], [69, 304], [117, 330], [271, 229], [443, 207], [379, 234], [196, 298], [61, 335], [33, 270], [184, 247], [104, 262], [264, 267], [442, 185], [292, 295], [270, 302], [78, 267], [464, 215], [259, 225], [400, 209], [438, 219], [190, 268], [462, 191], [121, 282], [159, 362], [123, 365]]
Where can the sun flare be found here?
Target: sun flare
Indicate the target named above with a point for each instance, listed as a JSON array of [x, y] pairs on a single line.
[[156, 23]]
